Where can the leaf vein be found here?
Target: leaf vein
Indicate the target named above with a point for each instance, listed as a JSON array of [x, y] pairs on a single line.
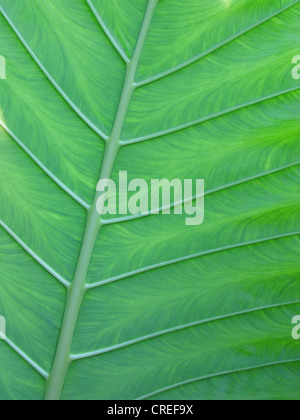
[[229, 372], [34, 255], [78, 288], [187, 258], [214, 48], [213, 191], [26, 358], [44, 168], [209, 117], [118, 48], [51, 79], [178, 328]]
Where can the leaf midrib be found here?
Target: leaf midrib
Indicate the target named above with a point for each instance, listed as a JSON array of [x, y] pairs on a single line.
[[78, 288]]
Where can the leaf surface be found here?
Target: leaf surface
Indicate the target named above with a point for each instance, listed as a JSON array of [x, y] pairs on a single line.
[[144, 306]]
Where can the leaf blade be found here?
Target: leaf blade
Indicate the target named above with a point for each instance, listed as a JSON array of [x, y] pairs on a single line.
[[160, 336]]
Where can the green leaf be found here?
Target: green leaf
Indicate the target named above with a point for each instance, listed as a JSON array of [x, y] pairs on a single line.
[[144, 306]]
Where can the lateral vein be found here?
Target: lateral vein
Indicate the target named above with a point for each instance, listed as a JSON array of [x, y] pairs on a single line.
[[208, 118], [27, 358], [44, 168], [35, 256], [214, 48], [118, 48], [229, 372], [178, 328], [51, 79], [213, 191], [187, 258]]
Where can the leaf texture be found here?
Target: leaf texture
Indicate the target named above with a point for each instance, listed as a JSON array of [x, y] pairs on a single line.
[[145, 307]]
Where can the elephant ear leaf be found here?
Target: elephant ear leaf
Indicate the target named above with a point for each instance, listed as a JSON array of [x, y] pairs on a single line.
[[144, 306]]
